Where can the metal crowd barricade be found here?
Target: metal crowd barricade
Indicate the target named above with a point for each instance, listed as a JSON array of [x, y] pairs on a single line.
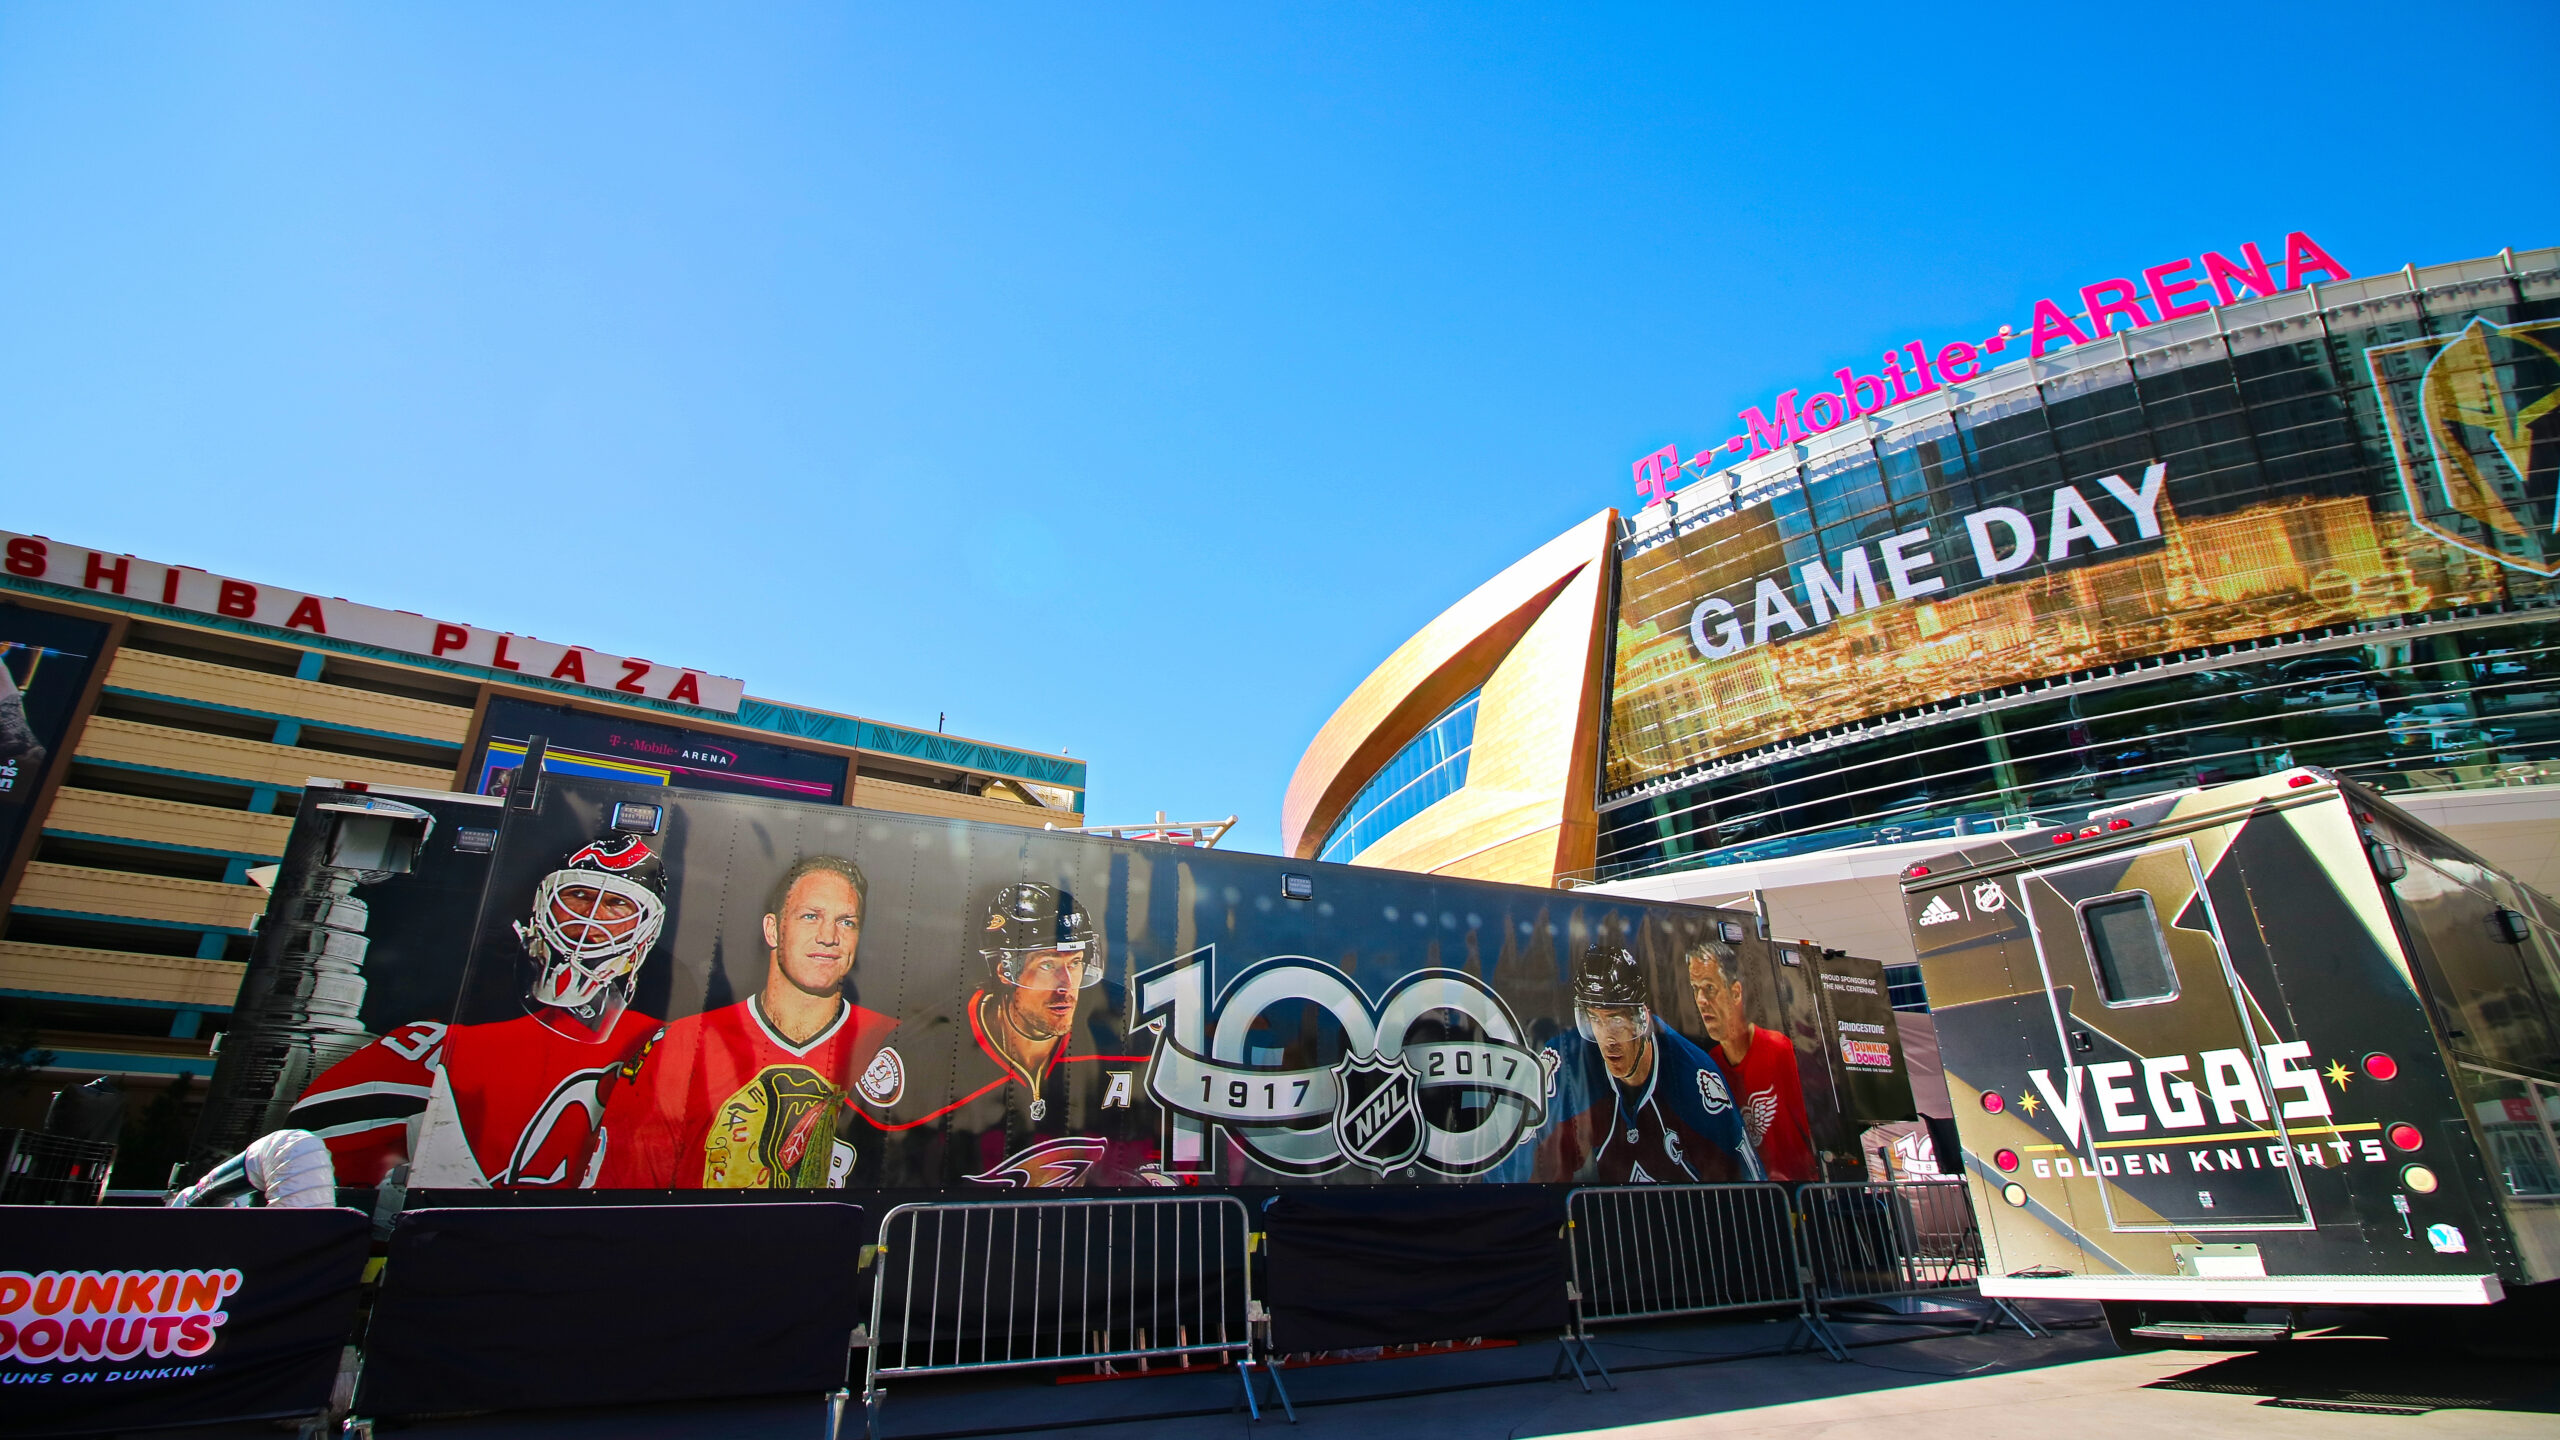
[[970, 1286], [1864, 1242], [1653, 1252]]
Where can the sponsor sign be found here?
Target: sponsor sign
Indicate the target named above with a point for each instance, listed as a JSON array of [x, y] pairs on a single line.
[[615, 748], [2171, 290], [505, 655], [751, 993], [119, 1319]]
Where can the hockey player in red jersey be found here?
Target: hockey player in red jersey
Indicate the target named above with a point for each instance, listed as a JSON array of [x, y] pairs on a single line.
[[1020, 1099], [1762, 1063], [511, 1104], [750, 1096]]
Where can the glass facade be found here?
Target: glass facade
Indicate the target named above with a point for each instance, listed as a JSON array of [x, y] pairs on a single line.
[[2311, 529], [1429, 768]]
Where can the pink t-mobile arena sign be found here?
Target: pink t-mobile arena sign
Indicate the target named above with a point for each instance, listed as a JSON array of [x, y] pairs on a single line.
[[2167, 291]]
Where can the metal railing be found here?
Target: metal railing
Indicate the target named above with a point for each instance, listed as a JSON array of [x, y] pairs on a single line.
[[1653, 1252], [997, 1286], [1871, 1243]]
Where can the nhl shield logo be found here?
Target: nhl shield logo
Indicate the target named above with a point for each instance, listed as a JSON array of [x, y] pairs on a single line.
[[1379, 1120]]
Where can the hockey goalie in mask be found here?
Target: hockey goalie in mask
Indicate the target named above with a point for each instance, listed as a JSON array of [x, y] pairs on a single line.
[[511, 1104], [594, 920]]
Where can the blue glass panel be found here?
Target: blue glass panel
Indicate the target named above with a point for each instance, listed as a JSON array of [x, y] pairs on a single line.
[[1430, 768]]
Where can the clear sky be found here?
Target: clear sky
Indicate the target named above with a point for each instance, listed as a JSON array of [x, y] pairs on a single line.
[[1124, 380]]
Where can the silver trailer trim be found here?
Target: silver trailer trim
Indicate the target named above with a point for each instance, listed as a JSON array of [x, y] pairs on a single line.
[[2254, 1289]]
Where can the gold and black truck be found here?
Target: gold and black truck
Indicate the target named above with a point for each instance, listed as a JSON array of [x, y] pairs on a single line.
[[2226, 1054]]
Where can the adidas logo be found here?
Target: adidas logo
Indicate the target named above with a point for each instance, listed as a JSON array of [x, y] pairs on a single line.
[[1937, 911]]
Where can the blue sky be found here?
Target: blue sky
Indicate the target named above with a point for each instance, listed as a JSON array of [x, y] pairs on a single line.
[[1124, 380]]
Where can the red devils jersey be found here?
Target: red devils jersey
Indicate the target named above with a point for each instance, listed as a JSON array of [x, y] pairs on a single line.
[[511, 1104], [952, 1107], [721, 1101]]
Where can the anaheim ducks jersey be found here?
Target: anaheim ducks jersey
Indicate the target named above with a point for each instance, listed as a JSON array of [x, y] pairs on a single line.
[[1679, 1126], [510, 1105], [721, 1101], [951, 1107]]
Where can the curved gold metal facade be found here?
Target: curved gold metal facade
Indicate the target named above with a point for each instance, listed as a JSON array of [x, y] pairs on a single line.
[[1534, 640]]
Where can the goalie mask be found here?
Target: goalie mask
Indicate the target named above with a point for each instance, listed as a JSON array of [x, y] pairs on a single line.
[[594, 920], [1027, 921]]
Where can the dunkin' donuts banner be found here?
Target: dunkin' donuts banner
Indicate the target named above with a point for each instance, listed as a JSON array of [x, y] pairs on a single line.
[[117, 1319], [668, 989]]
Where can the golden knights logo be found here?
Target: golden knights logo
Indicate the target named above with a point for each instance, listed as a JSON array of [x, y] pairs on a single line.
[[2477, 437], [1437, 1036]]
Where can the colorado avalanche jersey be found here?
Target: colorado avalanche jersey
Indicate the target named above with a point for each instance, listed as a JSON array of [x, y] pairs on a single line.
[[1680, 1125], [952, 1108], [511, 1104], [721, 1101]]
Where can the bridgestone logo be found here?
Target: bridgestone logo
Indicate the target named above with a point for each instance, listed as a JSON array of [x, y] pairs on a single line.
[[1938, 911]]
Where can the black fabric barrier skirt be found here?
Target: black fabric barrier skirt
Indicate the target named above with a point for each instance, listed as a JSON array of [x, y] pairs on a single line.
[[1352, 1268], [126, 1319], [505, 1309]]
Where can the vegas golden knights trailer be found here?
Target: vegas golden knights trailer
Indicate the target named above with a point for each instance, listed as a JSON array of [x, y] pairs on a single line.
[[2269, 1044]]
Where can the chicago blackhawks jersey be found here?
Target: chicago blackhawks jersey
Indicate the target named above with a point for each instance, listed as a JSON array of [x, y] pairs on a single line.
[[952, 1107], [1679, 1125], [511, 1104], [722, 1101]]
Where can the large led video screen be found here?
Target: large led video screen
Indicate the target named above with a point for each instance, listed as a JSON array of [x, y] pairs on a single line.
[[2287, 478], [616, 748]]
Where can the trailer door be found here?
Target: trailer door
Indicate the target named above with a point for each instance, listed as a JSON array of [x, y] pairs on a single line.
[[2180, 1128]]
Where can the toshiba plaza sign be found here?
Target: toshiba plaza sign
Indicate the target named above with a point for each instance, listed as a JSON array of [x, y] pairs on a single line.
[[181, 587]]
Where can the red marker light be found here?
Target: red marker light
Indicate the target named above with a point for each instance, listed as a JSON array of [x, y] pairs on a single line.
[[2062, 837], [1992, 1103], [1915, 872], [2007, 1160], [2404, 1136], [2090, 833], [2119, 823], [2298, 781], [2381, 1066]]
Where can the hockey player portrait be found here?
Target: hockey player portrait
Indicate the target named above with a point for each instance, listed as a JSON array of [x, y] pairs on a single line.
[[1636, 1102], [513, 1103], [1760, 1062], [751, 1095], [1008, 1092]]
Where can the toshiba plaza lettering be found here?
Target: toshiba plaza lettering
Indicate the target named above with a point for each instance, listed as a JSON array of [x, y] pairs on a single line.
[[181, 587]]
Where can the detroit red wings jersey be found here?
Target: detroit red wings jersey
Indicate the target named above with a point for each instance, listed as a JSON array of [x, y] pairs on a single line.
[[511, 1105], [721, 1101]]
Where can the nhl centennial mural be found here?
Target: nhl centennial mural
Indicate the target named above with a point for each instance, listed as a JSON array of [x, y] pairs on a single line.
[[628, 987]]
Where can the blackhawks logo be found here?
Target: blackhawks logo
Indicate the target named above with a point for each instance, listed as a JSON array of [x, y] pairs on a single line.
[[777, 1133]]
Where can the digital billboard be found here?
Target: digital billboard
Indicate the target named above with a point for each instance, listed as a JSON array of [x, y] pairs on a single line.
[[611, 747], [2248, 480], [45, 660], [643, 988]]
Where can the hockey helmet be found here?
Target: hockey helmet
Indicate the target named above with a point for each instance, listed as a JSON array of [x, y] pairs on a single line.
[[587, 960], [1609, 977], [1024, 920]]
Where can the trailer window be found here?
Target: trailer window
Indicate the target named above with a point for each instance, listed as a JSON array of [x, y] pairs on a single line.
[[2127, 949]]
